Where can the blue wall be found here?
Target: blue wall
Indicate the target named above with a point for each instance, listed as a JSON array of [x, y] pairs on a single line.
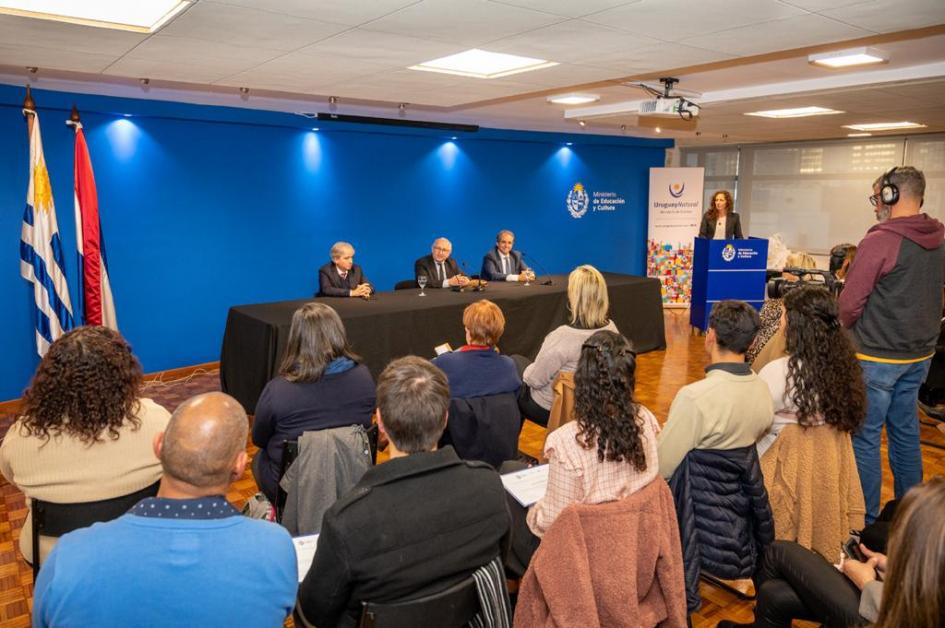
[[208, 207]]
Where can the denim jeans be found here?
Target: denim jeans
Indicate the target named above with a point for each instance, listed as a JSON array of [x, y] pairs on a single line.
[[891, 394]]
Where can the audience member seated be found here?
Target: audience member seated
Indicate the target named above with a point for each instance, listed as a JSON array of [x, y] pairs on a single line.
[[612, 564], [84, 434], [185, 557], [707, 451], [731, 407], [320, 385], [905, 589], [607, 453], [341, 277], [819, 400], [502, 263], [415, 525], [439, 268], [477, 369], [589, 304], [771, 313]]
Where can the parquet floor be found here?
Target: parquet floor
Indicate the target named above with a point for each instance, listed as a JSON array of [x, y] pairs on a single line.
[[659, 375]]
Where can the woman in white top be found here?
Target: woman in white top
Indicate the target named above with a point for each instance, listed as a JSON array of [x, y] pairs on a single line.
[[819, 380], [720, 222], [589, 305], [84, 434], [609, 451]]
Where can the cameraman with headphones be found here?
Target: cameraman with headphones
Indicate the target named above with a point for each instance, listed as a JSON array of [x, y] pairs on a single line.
[[892, 302]]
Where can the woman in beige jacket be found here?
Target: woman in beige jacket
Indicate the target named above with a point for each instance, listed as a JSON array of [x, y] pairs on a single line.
[[83, 434]]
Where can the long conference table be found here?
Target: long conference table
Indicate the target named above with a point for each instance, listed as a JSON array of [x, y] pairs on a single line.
[[394, 324]]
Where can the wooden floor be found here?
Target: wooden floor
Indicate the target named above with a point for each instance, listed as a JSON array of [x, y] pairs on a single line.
[[659, 375]]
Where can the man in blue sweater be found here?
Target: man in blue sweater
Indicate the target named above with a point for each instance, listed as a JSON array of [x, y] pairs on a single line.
[[185, 557]]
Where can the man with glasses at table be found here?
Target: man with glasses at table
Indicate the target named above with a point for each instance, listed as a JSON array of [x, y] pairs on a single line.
[[892, 302], [439, 268]]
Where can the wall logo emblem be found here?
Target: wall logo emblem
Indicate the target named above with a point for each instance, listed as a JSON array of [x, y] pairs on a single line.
[[728, 253], [577, 201], [677, 189]]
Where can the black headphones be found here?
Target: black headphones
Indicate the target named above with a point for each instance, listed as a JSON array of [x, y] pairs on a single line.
[[888, 191]]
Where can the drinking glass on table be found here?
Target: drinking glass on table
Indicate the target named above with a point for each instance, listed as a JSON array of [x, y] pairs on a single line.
[[529, 276], [422, 282]]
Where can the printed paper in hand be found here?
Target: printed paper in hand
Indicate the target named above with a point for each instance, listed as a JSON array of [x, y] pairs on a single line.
[[527, 486], [305, 552]]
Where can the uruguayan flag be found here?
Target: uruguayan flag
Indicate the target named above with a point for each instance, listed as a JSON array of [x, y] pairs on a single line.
[[41, 260]]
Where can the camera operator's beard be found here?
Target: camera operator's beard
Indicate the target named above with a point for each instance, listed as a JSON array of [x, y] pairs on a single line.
[[882, 213]]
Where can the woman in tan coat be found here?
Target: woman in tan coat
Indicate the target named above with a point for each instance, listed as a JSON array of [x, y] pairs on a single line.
[[83, 434]]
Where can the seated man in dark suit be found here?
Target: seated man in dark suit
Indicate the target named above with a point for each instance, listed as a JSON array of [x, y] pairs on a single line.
[[502, 263], [415, 525], [439, 268], [341, 277]]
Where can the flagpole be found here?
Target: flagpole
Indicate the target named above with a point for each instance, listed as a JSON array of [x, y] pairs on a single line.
[[75, 123], [29, 110]]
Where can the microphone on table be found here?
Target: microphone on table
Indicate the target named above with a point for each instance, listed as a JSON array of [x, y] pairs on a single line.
[[541, 267], [466, 273]]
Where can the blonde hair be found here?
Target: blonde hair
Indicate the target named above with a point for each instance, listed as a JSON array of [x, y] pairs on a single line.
[[485, 322], [587, 297], [800, 259]]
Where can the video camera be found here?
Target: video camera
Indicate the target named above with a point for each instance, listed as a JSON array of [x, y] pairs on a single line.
[[779, 286]]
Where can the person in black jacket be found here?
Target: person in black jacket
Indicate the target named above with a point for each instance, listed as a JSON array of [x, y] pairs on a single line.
[[439, 268], [341, 277], [720, 221], [415, 525]]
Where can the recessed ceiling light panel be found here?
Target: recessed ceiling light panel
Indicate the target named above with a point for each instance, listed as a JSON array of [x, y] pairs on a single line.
[[796, 112], [573, 99], [884, 126], [859, 134], [141, 16], [848, 58], [483, 64]]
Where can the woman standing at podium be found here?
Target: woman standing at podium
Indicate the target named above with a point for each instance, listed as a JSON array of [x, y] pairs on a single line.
[[721, 222]]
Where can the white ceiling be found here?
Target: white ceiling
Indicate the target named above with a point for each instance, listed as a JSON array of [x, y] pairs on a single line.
[[294, 54]]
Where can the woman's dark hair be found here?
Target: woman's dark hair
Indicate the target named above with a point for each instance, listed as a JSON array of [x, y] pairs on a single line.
[[86, 385], [914, 587], [604, 408], [823, 373], [316, 337], [713, 213]]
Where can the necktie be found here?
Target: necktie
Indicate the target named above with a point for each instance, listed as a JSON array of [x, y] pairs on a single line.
[[344, 276], [439, 271], [505, 264]]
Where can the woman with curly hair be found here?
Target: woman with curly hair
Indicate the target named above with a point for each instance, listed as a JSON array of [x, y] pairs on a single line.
[[609, 451], [819, 401], [84, 434], [720, 222]]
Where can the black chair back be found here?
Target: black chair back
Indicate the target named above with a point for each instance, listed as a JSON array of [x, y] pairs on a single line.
[[52, 519], [406, 284], [451, 608], [290, 451]]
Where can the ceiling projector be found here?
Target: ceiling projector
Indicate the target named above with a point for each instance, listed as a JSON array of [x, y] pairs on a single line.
[[669, 107]]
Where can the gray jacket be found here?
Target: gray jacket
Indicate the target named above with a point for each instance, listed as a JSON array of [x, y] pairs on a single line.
[[330, 462]]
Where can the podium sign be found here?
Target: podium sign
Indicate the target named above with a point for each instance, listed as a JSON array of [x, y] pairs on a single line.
[[727, 269]]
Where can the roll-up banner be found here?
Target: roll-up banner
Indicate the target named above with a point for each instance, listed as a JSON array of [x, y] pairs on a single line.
[[675, 212]]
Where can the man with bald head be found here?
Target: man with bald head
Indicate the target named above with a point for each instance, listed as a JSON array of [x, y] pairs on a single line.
[[439, 268], [185, 557]]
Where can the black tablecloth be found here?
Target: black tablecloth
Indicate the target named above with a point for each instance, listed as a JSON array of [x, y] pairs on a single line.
[[399, 323]]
